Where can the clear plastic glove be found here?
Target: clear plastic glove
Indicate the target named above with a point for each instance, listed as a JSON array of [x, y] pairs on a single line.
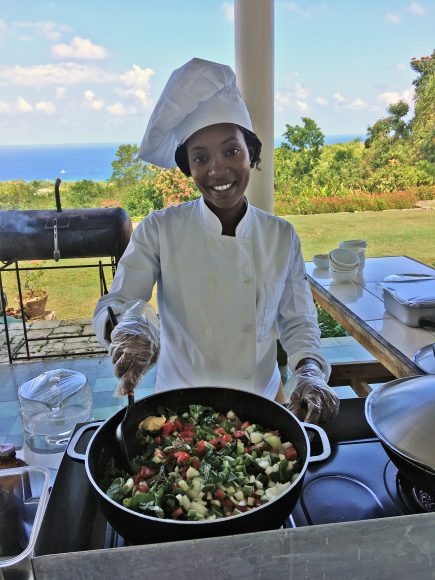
[[135, 346], [311, 400]]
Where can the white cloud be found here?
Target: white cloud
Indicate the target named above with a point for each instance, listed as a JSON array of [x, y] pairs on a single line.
[[90, 102], [301, 91], [137, 77], [302, 106], [296, 9], [60, 92], [46, 107], [119, 110], [4, 107], [338, 98], [321, 101], [27, 31], [357, 105], [401, 66], [22, 105], [416, 8], [66, 73], [393, 18], [390, 97], [305, 11], [81, 48], [282, 101], [228, 10]]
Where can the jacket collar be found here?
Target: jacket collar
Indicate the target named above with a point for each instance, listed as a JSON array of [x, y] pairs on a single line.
[[212, 221]]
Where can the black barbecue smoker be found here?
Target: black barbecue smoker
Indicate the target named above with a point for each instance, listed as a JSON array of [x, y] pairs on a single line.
[[57, 235]]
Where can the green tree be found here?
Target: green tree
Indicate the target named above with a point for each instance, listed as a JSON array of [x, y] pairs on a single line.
[[306, 141], [128, 168], [84, 193], [423, 123]]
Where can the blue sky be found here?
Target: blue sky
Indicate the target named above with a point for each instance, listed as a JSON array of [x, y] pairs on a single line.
[[90, 71]]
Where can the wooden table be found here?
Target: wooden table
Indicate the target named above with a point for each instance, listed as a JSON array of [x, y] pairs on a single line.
[[359, 307]]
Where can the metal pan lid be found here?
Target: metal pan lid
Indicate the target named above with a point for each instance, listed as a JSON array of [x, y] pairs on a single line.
[[425, 358], [402, 414]]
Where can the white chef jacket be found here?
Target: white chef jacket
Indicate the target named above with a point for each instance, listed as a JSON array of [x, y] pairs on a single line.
[[221, 299]]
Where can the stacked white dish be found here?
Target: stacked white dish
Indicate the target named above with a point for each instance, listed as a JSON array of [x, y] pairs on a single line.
[[343, 264], [358, 246]]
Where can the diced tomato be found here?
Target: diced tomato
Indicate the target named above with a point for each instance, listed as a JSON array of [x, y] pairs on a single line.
[[248, 449], [157, 440], [167, 428], [227, 502], [186, 434], [220, 431], [146, 472], [245, 425], [200, 447], [239, 434], [220, 494], [227, 438], [189, 427], [217, 442], [195, 462], [290, 453], [177, 513], [257, 502], [181, 456], [143, 487], [178, 425]]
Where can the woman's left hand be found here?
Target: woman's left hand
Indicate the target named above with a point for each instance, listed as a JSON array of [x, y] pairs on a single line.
[[311, 399]]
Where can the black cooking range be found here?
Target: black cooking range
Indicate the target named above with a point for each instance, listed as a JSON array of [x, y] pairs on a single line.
[[357, 482]]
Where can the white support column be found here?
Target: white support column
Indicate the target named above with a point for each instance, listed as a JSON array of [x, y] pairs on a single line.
[[254, 45]]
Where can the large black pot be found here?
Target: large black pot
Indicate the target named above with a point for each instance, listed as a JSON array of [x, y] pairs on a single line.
[[402, 414], [139, 528]]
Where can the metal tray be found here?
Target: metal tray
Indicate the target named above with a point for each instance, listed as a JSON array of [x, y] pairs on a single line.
[[425, 358], [23, 498], [414, 315]]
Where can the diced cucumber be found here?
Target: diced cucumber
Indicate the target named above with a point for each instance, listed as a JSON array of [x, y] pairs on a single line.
[[183, 484], [128, 486], [239, 495], [250, 501], [274, 441], [184, 501], [191, 473], [256, 437], [199, 508]]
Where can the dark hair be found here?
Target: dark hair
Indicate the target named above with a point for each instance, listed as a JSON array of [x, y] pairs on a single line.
[[253, 144]]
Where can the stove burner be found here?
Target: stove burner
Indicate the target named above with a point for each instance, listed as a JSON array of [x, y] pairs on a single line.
[[424, 499], [414, 499]]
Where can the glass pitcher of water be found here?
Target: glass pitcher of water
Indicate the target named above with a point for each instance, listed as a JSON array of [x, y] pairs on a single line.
[[51, 405]]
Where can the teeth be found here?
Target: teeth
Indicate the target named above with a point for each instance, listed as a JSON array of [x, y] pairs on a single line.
[[222, 187]]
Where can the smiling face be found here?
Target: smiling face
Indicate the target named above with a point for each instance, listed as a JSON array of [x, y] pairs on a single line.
[[220, 165]]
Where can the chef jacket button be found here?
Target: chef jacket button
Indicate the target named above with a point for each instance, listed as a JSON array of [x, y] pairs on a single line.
[[207, 331], [248, 328], [247, 281]]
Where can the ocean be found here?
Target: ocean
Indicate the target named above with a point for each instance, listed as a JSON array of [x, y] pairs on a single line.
[[76, 162]]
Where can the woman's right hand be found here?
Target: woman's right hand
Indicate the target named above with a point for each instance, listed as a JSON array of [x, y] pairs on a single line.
[[134, 348]]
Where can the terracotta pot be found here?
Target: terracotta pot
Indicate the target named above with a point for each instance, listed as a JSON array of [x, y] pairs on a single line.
[[35, 307]]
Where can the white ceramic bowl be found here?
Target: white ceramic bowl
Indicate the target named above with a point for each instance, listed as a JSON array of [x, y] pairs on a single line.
[[321, 261], [343, 276], [343, 259], [353, 244]]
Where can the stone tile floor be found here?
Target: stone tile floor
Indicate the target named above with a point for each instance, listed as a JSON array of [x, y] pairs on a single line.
[[98, 370]]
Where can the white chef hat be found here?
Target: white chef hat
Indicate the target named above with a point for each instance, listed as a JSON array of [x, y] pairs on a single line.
[[198, 94]]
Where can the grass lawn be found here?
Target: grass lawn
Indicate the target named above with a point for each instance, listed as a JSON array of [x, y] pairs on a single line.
[[73, 293], [388, 233]]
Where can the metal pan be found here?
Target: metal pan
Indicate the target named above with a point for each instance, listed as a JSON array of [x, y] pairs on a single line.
[[402, 415], [139, 528]]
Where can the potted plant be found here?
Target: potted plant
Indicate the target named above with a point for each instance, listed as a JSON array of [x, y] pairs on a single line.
[[35, 296]]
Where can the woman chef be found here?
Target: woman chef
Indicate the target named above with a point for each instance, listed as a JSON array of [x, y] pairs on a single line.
[[230, 277]]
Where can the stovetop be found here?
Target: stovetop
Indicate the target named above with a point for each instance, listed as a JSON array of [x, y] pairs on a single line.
[[357, 482]]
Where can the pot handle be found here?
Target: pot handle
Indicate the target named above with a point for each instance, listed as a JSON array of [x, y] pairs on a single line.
[[72, 453], [326, 452]]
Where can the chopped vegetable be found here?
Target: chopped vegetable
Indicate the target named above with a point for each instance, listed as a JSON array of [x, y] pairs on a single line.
[[201, 464]]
